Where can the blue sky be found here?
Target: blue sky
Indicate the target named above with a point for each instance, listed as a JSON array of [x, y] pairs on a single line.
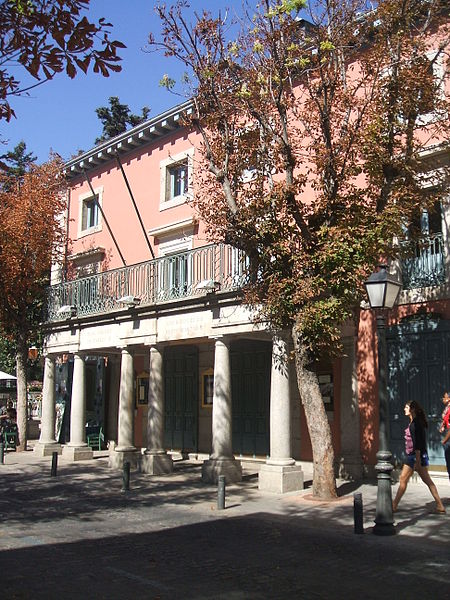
[[60, 115]]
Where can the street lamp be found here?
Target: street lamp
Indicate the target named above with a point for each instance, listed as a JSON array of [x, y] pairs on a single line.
[[382, 290]]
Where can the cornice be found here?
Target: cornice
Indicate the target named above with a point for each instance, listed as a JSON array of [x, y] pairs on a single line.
[[140, 135]]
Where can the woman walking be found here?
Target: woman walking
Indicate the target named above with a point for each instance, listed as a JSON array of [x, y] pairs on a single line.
[[416, 455], [445, 428]]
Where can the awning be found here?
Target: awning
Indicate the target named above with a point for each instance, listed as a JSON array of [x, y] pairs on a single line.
[[6, 376]]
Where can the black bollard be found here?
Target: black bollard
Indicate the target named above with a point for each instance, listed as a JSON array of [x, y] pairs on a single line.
[[54, 464], [126, 477], [358, 513], [221, 492], [2, 453]]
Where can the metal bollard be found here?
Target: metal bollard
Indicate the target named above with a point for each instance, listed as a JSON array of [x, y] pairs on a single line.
[[2, 453], [126, 477], [358, 513], [54, 464], [221, 492]]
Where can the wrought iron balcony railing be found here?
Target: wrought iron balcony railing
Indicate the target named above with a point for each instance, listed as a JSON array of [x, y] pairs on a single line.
[[173, 277], [423, 263]]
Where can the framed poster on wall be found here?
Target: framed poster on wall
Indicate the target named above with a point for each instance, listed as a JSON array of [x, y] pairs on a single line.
[[207, 388], [142, 389]]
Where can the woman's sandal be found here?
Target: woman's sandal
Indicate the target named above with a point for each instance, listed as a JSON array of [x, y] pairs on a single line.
[[439, 511]]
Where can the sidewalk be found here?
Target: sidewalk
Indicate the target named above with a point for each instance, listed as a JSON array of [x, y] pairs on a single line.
[[78, 535]]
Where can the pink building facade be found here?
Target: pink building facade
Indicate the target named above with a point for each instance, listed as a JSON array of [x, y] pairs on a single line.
[[147, 337]]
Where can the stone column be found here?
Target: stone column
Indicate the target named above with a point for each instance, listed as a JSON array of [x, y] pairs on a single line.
[[155, 460], [47, 443], [222, 461], [350, 462], [280, 474], [77, 449], [125, 449]]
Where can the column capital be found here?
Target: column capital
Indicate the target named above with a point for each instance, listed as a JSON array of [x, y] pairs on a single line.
[[154, 344], [124, 348], [221, 337]]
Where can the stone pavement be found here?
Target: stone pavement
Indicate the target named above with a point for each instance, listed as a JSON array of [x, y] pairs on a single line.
[[78, 536]]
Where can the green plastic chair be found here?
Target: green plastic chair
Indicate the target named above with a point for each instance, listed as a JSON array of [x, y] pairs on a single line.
[[10, 439], [95, 440]]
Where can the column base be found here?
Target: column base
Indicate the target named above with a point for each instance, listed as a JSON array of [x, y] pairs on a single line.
[[117, 458], [229, 467], [75, 453], [280, 479], [156, 464], [47, 448]]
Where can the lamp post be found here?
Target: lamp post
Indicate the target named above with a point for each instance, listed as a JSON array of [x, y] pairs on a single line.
[[382, 290]]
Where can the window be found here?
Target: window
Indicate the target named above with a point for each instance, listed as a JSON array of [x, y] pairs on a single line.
[[178, 180], [176, 173], [90, 213]]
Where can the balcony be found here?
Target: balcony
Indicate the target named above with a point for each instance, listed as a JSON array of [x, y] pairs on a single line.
[[175, 277], [423, 263]]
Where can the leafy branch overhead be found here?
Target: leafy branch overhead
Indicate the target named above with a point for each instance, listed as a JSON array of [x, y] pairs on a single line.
[[49, 37]]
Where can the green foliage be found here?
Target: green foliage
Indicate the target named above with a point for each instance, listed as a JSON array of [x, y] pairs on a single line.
[[7, 356], [17, 162], [167, 82], [117, 117]]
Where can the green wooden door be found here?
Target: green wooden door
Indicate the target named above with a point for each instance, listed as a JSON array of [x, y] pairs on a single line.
[[250, 389], [418, 369], [181, 398]]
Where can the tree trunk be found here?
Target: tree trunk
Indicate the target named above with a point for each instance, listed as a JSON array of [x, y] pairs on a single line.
[[324, 483], [21, 371]]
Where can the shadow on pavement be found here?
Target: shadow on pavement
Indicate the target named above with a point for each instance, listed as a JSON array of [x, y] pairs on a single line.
[[257, 556]]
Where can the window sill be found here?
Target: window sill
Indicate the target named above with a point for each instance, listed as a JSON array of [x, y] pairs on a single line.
[[176, 201], [89, 231]]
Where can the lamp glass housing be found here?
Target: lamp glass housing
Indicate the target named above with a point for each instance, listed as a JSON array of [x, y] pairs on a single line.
[[382, 289]]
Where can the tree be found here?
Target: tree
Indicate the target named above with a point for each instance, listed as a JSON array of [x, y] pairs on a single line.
[[116, 117], [46, 37], [311, 141], [17, 161], [31, 230]]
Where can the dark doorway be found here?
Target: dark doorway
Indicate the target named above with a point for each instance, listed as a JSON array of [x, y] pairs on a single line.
[[181, 398], [418, 369], [250, 390]]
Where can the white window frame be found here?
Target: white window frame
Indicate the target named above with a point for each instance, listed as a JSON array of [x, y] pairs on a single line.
[[81, 203], [166, 166]]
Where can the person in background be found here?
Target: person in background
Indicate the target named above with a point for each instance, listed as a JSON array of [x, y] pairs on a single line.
[[9, 414], [416, 455], [445, 428]]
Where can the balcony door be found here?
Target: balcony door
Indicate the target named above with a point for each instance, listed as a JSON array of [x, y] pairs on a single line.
[[423, 264], [174, 268]]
